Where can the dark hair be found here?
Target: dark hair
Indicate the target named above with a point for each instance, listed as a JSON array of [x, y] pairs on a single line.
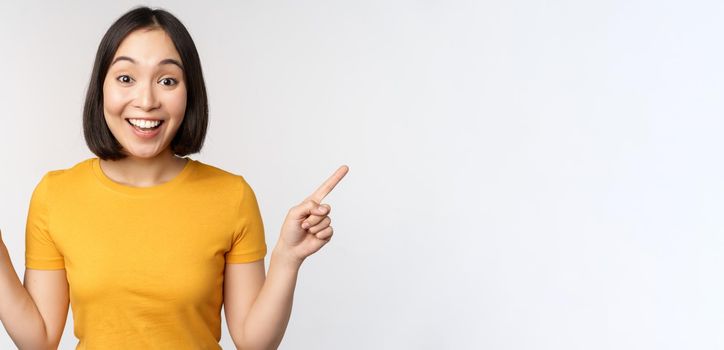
[[191, 133]]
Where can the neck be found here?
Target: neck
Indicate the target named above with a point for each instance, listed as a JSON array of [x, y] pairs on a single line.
[[143, 172]]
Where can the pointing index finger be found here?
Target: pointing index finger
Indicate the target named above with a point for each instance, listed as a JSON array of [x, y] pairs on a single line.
[[328, 185]]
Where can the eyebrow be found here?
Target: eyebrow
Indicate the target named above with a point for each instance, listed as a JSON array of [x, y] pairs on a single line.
[[164, 61]]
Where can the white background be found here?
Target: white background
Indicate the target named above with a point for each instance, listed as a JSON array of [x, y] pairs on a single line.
[[523, 174]]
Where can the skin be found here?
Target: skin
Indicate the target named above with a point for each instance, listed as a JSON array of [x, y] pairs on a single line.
[[307, 227], [257, 319], [144, 88], [257, 306]]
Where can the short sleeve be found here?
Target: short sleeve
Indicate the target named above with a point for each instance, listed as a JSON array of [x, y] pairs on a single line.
[[248, 242], [40, 250]]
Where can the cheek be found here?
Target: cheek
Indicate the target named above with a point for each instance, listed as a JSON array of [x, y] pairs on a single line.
[[113, 100], [177, 104]]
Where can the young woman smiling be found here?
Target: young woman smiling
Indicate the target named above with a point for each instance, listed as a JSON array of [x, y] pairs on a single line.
[[144, 243]]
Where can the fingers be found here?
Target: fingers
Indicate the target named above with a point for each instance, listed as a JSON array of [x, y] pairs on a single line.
[[313, 220], [307, 208], [315, 217], [327, 209], [320, 226], [325, 234], [328, 185]]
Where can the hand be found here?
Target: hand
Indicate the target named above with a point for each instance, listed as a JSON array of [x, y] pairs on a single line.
[[306, 228]]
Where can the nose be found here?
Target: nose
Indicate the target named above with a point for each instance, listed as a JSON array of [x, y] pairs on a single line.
[[146, 98]]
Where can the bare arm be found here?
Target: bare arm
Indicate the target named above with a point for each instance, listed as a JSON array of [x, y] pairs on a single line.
[[258, 308], [34, 315]]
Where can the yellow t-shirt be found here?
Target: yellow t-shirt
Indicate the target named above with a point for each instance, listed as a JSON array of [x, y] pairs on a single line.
[[145, 265]]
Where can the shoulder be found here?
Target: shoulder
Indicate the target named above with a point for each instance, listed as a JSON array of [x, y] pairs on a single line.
[[65, 176], [215, 176]]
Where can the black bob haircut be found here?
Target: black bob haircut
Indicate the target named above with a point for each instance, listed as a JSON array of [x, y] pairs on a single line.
[[191, 133]]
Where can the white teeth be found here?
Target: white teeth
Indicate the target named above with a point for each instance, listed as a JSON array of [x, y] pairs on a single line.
[[146, 124]]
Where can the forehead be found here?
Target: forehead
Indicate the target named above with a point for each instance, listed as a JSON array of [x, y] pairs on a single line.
[[147, 46]]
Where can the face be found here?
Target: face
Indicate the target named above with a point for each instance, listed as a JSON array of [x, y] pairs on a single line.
[[145, 86]]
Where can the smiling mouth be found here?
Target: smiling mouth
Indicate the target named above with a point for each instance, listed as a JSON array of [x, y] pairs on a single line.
[[142, 128]]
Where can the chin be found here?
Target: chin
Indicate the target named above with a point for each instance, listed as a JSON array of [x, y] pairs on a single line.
[[143, 155]]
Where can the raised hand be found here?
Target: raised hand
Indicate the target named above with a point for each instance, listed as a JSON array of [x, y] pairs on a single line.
[[306, 229]]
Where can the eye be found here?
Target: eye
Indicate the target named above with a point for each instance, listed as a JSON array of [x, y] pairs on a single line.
[[168, 81], [124, 79]]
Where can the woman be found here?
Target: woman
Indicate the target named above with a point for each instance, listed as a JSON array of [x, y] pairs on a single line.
[[144, 243]]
